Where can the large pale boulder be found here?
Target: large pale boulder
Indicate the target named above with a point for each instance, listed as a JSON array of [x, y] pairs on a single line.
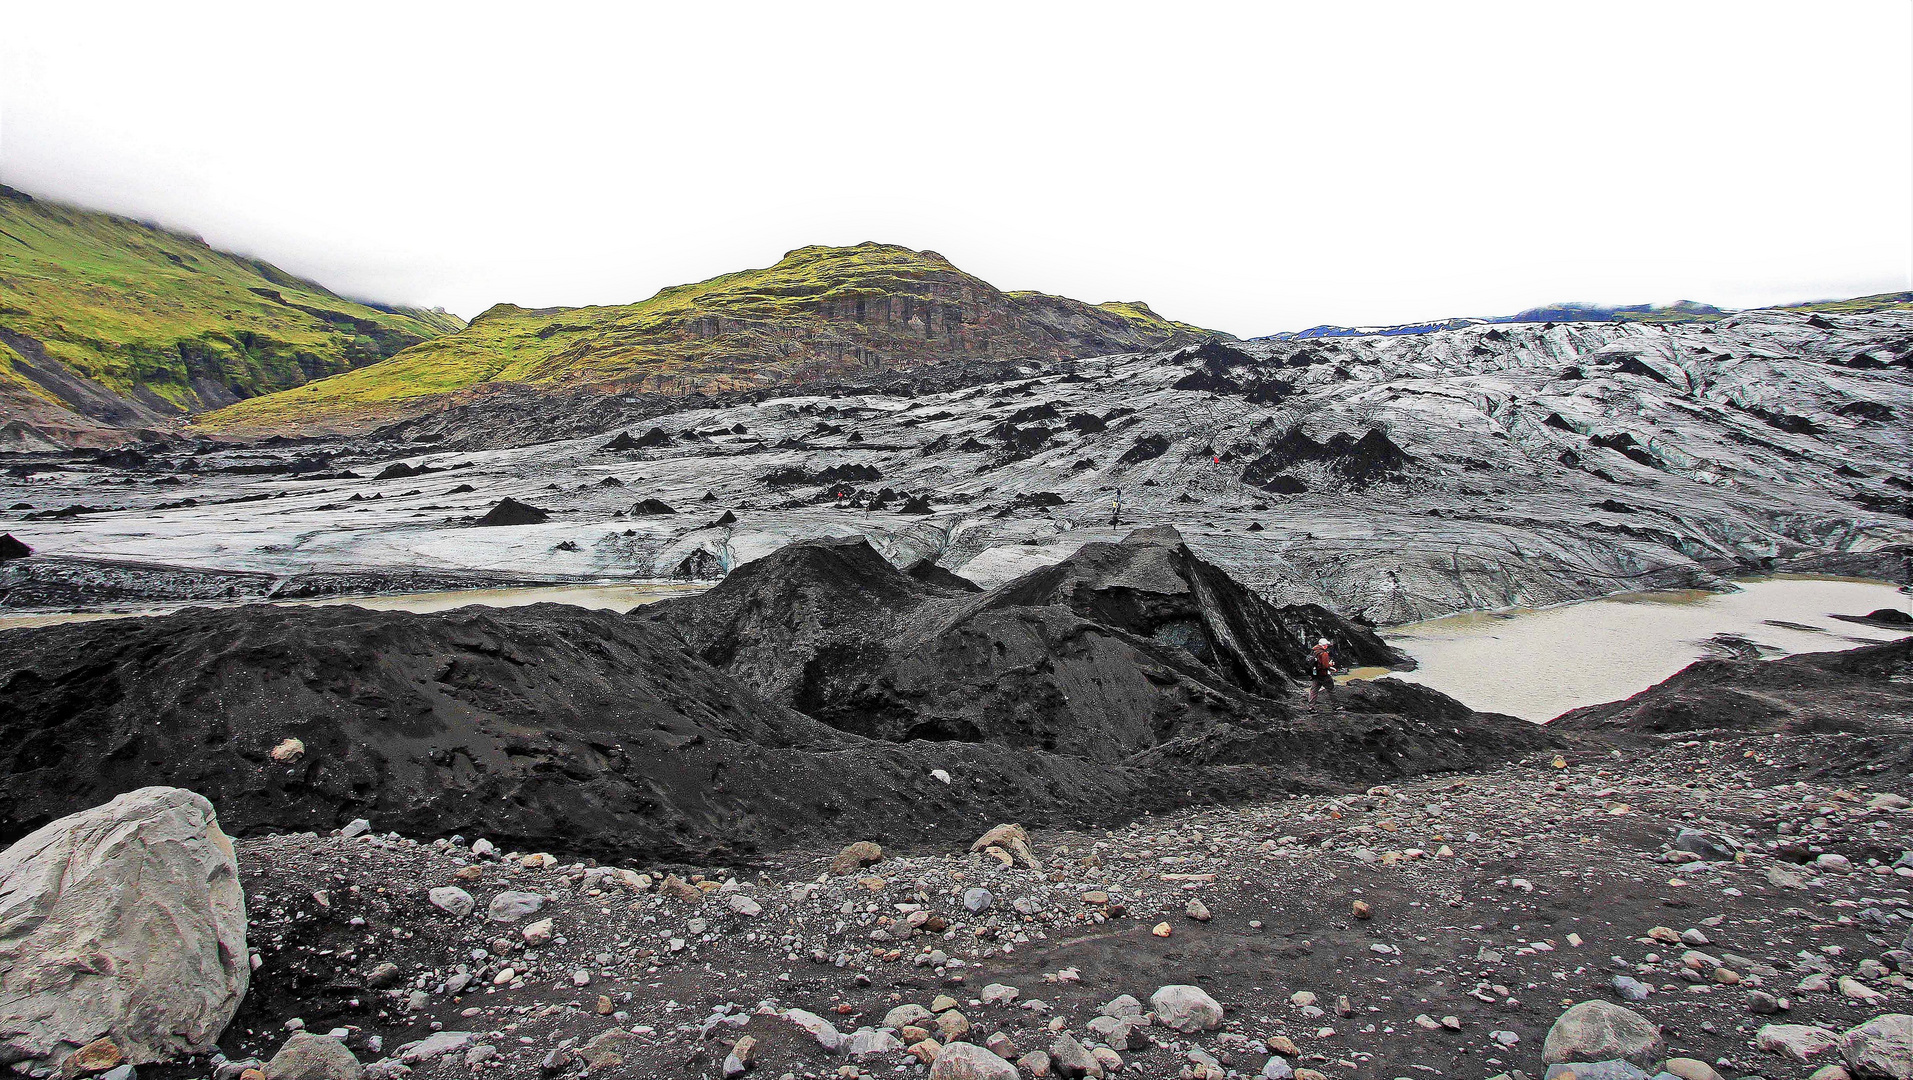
[[123, 922], [1602, 1031], [1187, 1009]]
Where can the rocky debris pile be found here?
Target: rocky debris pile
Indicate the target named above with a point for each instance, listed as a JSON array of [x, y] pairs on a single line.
[[122, 935], [1863, 690], [1441, 921], [1176, 653], [510, 511], [1132, 675], [1342, 462]]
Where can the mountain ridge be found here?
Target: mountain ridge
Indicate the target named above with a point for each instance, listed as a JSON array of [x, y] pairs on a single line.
[[109, 323], [818, 314]]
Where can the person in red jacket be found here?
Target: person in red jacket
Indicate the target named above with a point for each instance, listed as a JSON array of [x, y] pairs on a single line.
[[1321, 673]]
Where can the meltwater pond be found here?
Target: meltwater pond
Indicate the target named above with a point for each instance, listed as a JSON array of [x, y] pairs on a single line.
[[610, 596], [1540, 663]]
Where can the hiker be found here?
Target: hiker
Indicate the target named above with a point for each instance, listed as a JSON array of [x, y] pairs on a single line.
[[1321, 673]]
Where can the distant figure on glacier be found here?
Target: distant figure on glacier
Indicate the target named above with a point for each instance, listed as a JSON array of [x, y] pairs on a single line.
[[1321, 673]]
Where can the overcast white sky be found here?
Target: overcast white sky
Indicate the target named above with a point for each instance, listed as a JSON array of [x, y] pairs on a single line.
[[1247, 167]]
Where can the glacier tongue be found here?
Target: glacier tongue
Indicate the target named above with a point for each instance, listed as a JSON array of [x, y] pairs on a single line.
[[1393, 478]]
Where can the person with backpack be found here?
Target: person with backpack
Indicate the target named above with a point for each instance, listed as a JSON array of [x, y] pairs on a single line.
[[1321, 673]]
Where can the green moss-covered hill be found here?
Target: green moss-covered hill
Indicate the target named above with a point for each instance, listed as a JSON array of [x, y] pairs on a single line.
[[820, 313], [108, 323]]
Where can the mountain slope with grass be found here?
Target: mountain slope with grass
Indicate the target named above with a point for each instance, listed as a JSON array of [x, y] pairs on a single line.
[[108, 324], [819, 314]]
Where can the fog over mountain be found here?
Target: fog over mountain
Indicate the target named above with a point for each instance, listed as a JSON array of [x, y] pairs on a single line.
[[1251, 171]]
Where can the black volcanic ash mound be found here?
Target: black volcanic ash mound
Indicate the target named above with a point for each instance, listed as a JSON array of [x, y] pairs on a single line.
[[816, 686], [546, 726], [512, 512], [1119, 650]]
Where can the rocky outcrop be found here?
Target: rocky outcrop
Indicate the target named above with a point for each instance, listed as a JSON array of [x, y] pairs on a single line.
[[126, 923]]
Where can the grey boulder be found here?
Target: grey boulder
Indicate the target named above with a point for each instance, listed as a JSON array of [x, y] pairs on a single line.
[[512, 905], [1595, 1070], [125, 921], [1881, 1048], [306, 1056], [1603, 1031], [968, 1061], [1187, 1009]]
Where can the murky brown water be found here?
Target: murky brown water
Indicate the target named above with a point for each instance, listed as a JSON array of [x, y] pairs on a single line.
[[607, 597], [1538, 664]]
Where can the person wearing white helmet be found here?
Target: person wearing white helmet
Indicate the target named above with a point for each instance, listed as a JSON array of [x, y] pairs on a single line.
[[1321, 673]]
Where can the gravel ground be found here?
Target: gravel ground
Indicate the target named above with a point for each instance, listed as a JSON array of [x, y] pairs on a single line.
[[1488, 902]]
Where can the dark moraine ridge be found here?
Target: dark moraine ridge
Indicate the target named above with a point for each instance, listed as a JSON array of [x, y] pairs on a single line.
[[1863, 691], [1131, 677]]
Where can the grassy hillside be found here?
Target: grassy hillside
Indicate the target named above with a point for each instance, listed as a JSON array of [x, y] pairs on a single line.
[[1859, 305], [819, 313], [116, 320]]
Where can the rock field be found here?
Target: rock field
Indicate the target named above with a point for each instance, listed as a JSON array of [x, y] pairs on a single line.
[[1435, 928]]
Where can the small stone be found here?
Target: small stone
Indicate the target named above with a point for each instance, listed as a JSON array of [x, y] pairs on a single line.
[[1761, 1003], [1853, 988], [1161, 930], [1795, 1042], [999, 995], [355, 827], [977, 901], [96, 1056], [537, 933], [1071, 1059], [288, 751], [816, 1027], [1196, 910], [744, 905], [512, 905], [1690, 1069], [306, 1056], [856, 856], [867, 1041], [952, 1026], [1630, 988], [965, 1061], [906, 1015], [742, 1058], [1361, 909], [1596, 1070], [929, 1050], [452, 900], [943, 1003]]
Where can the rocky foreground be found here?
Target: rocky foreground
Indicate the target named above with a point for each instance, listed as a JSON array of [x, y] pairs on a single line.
[[1748, 895]]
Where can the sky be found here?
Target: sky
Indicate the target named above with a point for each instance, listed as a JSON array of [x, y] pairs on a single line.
[[1249, 168]]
